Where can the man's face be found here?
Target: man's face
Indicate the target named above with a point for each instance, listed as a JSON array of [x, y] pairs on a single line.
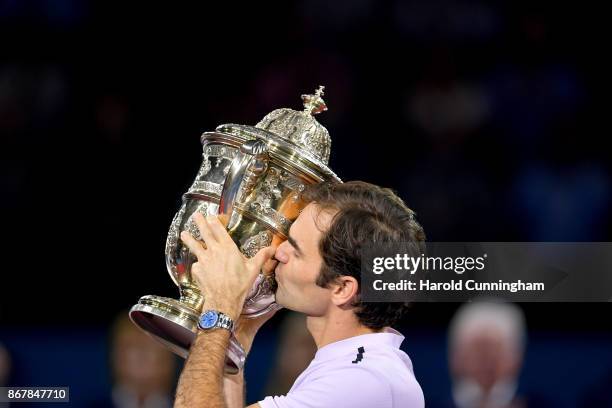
[[299, 264]]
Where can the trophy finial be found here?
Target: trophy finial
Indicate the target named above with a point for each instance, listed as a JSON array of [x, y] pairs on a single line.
[[301, 127], [314, 104]]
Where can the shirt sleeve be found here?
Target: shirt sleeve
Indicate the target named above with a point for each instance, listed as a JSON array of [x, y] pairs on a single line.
[[355, 388]]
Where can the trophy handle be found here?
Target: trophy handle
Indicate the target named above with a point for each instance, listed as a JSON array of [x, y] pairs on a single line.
[[250, 162]]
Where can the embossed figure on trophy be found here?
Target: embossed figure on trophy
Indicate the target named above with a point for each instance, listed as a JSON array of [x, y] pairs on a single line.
[[252, 175]]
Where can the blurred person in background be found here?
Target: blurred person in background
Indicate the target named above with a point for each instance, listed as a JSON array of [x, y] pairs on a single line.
[[5, 370], [144, 372], [296, 349], [486, 350]]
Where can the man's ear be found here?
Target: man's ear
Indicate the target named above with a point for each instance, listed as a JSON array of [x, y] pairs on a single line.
[[344, 290]]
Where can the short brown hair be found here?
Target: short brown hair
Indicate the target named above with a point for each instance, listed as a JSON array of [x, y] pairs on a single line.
[[364, 214]]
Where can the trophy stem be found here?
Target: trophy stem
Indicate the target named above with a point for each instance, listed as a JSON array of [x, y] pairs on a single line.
[[191, 296]]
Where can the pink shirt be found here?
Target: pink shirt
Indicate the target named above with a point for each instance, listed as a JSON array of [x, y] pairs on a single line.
[[368, 371]]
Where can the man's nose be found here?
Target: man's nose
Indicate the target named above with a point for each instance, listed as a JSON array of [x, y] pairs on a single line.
[[281, 253]]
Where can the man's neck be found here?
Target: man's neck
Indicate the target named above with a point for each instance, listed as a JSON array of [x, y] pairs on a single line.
[[335, 327]]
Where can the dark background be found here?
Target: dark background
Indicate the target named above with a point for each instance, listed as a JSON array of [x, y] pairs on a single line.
[[479, 114]]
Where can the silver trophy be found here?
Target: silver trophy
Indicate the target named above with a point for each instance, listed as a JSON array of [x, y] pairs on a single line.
[[253, 176]]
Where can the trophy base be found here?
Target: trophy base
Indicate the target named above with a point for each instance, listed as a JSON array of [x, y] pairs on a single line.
[[175, 325]]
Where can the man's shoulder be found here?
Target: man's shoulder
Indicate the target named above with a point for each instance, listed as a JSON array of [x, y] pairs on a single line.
[[390, 367], [349, 385], [336, 386], [369, 357], [384, 368], [364, 371]]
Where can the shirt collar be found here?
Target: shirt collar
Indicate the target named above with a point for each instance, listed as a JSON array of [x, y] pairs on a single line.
[[388, 337]]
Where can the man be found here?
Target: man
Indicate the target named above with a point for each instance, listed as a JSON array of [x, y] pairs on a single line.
[[486, 348], [358, 362]]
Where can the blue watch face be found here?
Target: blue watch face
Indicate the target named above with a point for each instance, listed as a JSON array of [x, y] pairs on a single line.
[[209, 319]]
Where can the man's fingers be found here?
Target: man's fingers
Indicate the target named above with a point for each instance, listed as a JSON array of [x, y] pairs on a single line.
[[269, 266], [194, 245], [261, 257], [219, 231], [205, 231]]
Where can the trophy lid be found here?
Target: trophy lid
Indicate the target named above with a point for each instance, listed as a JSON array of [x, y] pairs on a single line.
[[295, 137], [301, 127]]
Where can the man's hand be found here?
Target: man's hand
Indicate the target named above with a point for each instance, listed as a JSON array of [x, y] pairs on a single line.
[[224, 277], [222, 273]]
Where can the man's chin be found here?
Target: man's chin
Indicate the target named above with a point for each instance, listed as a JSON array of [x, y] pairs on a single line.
[[280, 298]]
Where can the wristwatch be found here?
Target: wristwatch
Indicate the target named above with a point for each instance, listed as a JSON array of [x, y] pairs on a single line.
[[212, 319]]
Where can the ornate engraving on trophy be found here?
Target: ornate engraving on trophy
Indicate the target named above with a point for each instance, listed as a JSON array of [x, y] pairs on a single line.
[[271, 216], [300, 129], [220, 151], [174, 231], [206, 187], [294, 185], [190, 225], [253, 244], [269, 192], [269, 189], [205, 167]]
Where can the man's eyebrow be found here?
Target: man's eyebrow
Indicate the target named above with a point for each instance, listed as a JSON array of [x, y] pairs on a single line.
[[294, 244]]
